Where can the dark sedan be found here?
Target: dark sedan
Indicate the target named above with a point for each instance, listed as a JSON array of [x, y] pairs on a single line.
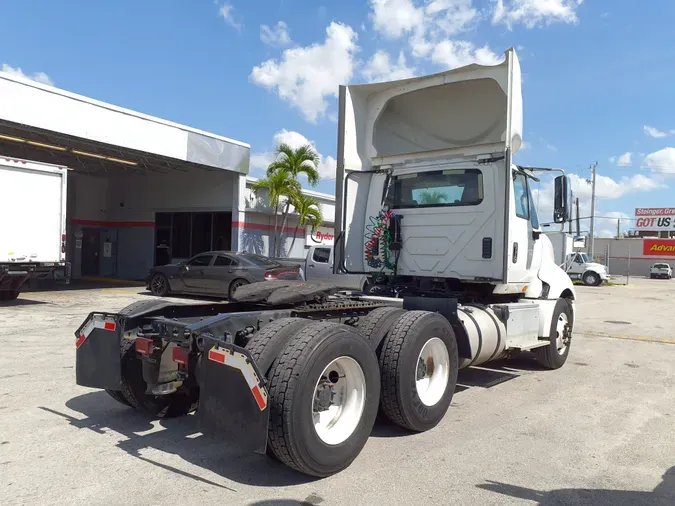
[[217, 274]]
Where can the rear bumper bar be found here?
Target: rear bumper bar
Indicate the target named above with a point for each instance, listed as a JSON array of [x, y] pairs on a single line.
[[233, 398]]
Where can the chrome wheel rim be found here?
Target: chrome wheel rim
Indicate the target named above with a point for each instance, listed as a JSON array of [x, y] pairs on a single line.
[[432, 371], [158, 284], [561, 328], [339, 400]]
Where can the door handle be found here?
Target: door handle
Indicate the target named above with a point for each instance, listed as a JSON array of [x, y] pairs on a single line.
[[515, 252], [311, 266]]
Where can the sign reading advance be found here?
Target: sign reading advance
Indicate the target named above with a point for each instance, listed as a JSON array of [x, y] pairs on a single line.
[[658, 247], [655, 218]]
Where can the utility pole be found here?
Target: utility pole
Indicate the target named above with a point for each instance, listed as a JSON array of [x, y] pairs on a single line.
[[591, 248], [618, 228], [570, 217], [578, 219]]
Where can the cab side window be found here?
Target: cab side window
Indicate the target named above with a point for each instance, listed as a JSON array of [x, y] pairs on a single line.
[[521, 196], [321, 255]]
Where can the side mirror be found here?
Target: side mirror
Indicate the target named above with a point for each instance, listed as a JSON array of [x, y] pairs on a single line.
[[561, 200]]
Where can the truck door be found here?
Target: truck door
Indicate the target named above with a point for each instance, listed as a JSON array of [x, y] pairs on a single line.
[[319, 263], [524, 232], [192, 273]]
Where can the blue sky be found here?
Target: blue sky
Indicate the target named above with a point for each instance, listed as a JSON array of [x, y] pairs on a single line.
[[598, 75]]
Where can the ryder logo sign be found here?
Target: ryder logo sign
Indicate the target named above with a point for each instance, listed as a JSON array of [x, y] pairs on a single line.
[[658, 247], [323, 236]]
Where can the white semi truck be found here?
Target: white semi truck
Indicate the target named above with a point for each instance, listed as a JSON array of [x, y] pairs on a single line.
[[32, 223], [576, 264], [430, 204]]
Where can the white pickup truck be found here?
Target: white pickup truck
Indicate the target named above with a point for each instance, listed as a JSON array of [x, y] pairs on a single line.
[[661, 270], [318, 266], [576, 264], [32, 223]]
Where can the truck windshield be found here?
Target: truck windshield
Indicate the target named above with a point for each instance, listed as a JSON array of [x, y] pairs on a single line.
[[442, 188], [582, 258]]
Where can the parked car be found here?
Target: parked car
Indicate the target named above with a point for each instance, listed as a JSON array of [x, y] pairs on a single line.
[[318, 266], [216, 273], [661, 270]]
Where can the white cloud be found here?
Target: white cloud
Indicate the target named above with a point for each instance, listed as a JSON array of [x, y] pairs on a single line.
[[654, 132], [395, 18], [380, 68], [39, 77], [453, 54], [276, 36], [431, 28], [306, 76], [531, 13], [662, 161], [260, 161], [606, 188], [551, 147], [624, 160], [226, 11]]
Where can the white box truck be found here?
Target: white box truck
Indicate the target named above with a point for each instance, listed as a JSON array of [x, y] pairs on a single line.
[[576, 264], [32, 223]]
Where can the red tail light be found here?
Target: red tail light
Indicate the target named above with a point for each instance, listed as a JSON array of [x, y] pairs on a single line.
[[144, 346], [63, 237], [180, 355]]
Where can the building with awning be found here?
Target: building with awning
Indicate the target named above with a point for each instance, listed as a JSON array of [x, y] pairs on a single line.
[[139, 187]]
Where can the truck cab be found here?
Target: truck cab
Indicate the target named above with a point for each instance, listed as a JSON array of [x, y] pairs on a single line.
[[431, 199], [579, 266]]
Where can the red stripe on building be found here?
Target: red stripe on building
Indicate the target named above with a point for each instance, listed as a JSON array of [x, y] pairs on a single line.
[[113, 224], [263, 227]]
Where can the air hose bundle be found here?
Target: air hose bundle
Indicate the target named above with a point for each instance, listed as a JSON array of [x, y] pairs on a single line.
[[379, 241]]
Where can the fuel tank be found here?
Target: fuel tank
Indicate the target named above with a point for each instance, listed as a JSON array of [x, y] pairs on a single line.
[[486, 334]]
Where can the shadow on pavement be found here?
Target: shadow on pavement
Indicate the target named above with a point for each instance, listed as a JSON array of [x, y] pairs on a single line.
[[181, 437], [21, 302], [283, 502], [662, 495]]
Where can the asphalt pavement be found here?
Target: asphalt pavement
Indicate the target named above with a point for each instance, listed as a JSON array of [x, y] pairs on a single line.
[[599, 431]]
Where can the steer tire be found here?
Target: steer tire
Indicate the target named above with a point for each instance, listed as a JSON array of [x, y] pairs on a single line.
[[179, 403], [549, 356], [119, 397], [400, 365], [292, 382], [591, 279], [377, 324]]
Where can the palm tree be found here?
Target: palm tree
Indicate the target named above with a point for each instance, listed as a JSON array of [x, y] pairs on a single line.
[[307, 209], [432, 197], [292, 163], [278, 185]]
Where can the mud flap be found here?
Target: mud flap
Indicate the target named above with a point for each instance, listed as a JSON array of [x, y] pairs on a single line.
[[98, 363], [233, 401]]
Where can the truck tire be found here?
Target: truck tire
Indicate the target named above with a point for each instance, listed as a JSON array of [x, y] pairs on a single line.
[[326, 365], [555, 354], [179, 403], [265, 346], [119, 397], [376, 325], [591, 279], [159, 285], [418, 364], [6, 295]]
